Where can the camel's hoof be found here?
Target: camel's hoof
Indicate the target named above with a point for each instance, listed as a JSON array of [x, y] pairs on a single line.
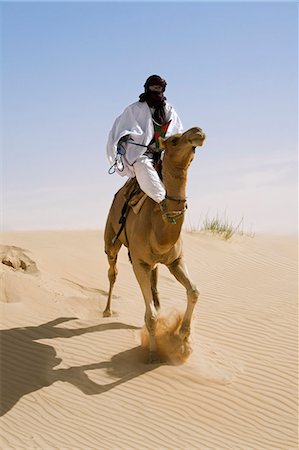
[[153, 358], [184, 333], [107, 313]]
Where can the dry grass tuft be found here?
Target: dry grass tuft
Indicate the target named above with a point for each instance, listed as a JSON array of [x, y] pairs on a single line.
[[220, 225]]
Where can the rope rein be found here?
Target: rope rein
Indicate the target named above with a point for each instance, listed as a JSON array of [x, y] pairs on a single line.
[[121, 151], [149, 147]]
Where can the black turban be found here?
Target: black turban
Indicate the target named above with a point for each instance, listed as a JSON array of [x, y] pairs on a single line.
[[155, 80], [155, 99]]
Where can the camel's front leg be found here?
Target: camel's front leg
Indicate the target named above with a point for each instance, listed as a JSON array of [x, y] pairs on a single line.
[[179, 270], [154, 281], [143, 274]]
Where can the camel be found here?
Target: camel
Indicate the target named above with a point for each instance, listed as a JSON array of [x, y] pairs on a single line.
[[153, 236]]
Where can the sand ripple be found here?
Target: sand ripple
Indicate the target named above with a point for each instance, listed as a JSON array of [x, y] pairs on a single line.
[[73, 380]]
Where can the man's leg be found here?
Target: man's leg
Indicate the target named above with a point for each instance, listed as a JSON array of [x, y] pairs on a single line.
[[148, 179]]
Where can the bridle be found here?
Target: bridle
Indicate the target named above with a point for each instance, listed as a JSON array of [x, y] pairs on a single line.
[[173, 215]]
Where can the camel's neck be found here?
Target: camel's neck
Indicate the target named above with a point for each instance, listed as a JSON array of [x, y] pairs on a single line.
[[174, 181]]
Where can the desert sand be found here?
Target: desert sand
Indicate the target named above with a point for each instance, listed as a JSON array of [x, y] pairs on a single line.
[[72, 379]]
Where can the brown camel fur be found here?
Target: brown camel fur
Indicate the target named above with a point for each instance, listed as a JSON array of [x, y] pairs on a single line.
[[153, 236]]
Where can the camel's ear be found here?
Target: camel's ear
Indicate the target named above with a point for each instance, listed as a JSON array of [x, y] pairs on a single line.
[[161, 142]]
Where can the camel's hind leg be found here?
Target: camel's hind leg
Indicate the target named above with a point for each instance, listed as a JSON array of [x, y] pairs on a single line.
[[111, 251], [143, 274], [179, 270]]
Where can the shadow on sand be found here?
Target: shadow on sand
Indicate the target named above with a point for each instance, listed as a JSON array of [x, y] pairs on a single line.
[[27, 365]]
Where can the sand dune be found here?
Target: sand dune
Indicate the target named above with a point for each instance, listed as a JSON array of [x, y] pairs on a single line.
[[71, 379]]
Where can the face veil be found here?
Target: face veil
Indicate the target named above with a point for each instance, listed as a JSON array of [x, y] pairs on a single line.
[[153, 95]]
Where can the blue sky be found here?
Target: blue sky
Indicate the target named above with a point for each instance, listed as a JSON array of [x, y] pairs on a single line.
[[69, 69]]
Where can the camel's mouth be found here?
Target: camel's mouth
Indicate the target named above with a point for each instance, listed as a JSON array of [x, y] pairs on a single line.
[[200, 143], [198, 139]]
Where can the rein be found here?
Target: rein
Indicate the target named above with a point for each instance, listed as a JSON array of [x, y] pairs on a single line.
[[121, 151], [149, 147]]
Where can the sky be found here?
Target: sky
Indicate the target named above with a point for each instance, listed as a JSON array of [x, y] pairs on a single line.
[[70, 68]]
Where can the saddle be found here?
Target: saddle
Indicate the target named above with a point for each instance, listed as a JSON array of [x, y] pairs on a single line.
[[134, 198]]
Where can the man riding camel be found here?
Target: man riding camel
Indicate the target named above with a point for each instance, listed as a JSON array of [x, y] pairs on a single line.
[[141, 125]]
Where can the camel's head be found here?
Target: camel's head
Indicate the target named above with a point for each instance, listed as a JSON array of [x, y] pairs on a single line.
[[180, 148]]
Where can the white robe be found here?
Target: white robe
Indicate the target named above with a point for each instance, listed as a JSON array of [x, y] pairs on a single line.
[[136, 121]]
